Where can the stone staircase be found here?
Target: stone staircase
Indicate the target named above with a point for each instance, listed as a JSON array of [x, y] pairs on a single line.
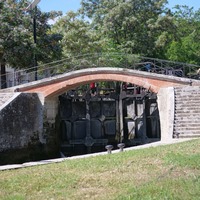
[[4, 97], [187, 112]]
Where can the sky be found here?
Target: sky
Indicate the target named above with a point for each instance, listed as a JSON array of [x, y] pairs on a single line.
[[67, 5]]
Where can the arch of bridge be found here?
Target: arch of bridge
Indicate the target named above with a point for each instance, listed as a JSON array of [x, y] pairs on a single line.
[[58, 85]]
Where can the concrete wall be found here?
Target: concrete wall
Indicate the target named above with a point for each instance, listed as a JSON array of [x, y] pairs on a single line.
[[166, 111], [23, 131], [50, 127], [51, 109]]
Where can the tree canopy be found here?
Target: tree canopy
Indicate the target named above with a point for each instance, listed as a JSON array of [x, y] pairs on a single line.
[[17, 45], [144, 27], [185, 47], [16, 36], [132, 26]]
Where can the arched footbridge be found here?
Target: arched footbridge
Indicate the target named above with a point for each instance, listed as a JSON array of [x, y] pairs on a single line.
[[178, 98], [57, 85]]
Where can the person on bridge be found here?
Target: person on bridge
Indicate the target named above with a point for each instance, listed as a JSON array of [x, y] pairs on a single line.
[[93, 88], [148, 67]]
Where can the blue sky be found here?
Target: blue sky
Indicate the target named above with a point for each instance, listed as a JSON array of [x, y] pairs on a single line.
[[66, 5]]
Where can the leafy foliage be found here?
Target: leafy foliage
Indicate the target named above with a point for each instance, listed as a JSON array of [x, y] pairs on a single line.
[[78, 37], [132, 26], [144, 27], [186, 47], [16, 36], [15, 31]]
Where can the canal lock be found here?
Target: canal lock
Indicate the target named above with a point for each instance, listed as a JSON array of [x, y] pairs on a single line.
[[113, 113]]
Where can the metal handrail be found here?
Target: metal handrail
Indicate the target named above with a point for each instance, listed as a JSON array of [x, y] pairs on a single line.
[[129, 61]]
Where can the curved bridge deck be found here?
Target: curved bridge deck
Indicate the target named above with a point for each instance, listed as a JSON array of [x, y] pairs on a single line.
[[57, 85]]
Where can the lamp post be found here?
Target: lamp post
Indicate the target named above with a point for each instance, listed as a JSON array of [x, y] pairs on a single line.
[[32, 6]]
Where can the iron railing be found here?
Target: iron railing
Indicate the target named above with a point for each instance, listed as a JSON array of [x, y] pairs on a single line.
[[129, 61]]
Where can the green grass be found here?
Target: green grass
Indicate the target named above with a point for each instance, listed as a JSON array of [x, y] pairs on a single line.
[[165, 172]]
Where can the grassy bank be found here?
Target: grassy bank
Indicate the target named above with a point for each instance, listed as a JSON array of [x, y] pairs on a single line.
[[165, 172]]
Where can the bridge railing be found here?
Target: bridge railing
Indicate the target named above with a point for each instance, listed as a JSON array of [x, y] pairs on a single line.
[[129, 61]]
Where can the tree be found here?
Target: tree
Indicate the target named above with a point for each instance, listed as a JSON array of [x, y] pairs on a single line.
[[16, 37], [135, 26], [13, 30], [78, 36], [185, 47], [48, 46]]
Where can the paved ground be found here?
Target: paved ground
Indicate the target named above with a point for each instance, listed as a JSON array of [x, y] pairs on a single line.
[[43, 162]]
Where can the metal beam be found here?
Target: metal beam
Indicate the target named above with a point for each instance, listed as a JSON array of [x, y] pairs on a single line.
[[33, 4]]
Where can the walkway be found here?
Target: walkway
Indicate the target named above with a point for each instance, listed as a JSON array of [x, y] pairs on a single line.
[[58, 160]]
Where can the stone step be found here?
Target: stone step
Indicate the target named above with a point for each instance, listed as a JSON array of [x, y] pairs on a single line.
[[189, 135], [187, 111], [186, 119], [189, 128], [183, 92], [186, 95], [192, 92], [4, 97], [187, 115], [186, 124], [184, 99], [187, 103], [188, 98], [187, 89], [186, 106], [194, 132]]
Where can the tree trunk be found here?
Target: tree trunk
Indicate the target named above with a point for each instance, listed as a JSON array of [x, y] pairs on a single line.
[[3, 75]]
